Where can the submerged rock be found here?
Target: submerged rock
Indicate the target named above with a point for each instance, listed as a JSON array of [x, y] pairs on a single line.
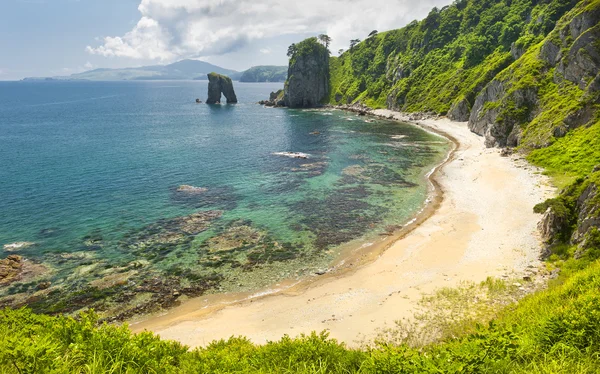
[[218, 84], [161, 237], [17, 246], [292, 154], [191, 189]]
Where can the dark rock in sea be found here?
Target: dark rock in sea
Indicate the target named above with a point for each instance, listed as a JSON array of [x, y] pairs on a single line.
[[218, 84], [275, 99], [222, 197], [160, 238], [49, 232], [240, 244], [340, 217], [198, 101]]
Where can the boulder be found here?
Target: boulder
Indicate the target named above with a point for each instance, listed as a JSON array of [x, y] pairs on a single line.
[[10, 269]]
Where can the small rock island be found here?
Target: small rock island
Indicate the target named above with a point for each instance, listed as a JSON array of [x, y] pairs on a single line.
[[308, 77], [220, 84]]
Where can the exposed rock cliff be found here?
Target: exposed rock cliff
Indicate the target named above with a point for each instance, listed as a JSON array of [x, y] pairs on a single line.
[[308, 75], [218, 84], [574, 216], [515, 102]]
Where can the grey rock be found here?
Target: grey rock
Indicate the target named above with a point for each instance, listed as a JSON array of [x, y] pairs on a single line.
[[550, 53], [583, 60], [550, 225], [308, 79], [588, 214], [516, 52], [583, 22], [220, 84], [460, 111]]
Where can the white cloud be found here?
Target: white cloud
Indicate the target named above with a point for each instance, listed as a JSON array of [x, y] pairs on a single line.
[[173, 29], [265, 51], [88, 65]]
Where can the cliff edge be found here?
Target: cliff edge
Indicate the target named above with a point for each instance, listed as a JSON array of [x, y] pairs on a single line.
[[308, 75]]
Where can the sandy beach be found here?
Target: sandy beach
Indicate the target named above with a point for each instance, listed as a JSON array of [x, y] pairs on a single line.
[[483, 226]]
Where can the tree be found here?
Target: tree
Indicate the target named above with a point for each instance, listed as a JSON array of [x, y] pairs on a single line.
[[291, 50], [372, 33], [325, 39], [353, 43], [340, 51]]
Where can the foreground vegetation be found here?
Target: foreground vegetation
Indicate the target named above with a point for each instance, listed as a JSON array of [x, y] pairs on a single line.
[[553, 331]]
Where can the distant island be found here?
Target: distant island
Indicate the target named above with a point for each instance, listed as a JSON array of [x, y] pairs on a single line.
[[181, 70]]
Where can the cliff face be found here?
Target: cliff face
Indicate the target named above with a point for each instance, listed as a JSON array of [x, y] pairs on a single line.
[[523, 73], [547, 92], [308, 75], [574, 216], [218, 84]]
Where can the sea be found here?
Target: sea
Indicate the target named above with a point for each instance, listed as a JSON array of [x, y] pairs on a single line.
[[129, 195]]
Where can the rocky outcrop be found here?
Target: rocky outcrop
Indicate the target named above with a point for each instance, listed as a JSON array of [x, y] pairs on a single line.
[[501, 109], [220, 84], [308, 75], [10, 269], [460, 111], [588, 213], [574, 216], [484, 117], [275, 99]]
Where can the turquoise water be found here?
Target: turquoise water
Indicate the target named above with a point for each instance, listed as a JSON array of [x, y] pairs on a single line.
[[90, 173]]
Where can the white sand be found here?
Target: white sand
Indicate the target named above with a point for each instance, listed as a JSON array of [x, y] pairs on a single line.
[[484, 227]]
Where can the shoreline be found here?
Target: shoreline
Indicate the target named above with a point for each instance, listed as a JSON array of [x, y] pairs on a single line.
[[355, 299], [351, 257]]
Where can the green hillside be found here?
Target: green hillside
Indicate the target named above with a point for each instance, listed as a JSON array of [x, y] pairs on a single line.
[[265, 73]]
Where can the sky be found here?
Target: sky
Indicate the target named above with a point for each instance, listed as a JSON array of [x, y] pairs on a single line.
[[60, 37]]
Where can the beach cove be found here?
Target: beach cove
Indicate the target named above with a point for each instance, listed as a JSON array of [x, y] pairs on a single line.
[[484, 226]]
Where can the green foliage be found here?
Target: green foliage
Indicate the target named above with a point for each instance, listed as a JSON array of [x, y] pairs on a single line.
[[265, 73], [307, 47], [574, 155], [555, 330], [449, 56]]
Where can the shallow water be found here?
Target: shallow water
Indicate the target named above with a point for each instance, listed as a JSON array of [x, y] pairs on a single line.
[[91, 172]]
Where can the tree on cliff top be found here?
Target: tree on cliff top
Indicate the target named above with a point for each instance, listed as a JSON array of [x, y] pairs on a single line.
[[291, 50], [353, 43], [310, 46], [325, 39]]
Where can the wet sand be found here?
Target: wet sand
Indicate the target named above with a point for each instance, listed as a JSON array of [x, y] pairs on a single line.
[[481, 224]]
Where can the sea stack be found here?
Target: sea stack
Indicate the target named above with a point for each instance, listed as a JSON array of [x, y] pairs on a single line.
[[220, 84], [308, 75]]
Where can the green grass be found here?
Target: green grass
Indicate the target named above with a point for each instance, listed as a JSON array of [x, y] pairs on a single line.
[[556, 330], [570, 157]]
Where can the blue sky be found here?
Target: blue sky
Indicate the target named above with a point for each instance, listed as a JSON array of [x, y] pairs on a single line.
[[61, 37]]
